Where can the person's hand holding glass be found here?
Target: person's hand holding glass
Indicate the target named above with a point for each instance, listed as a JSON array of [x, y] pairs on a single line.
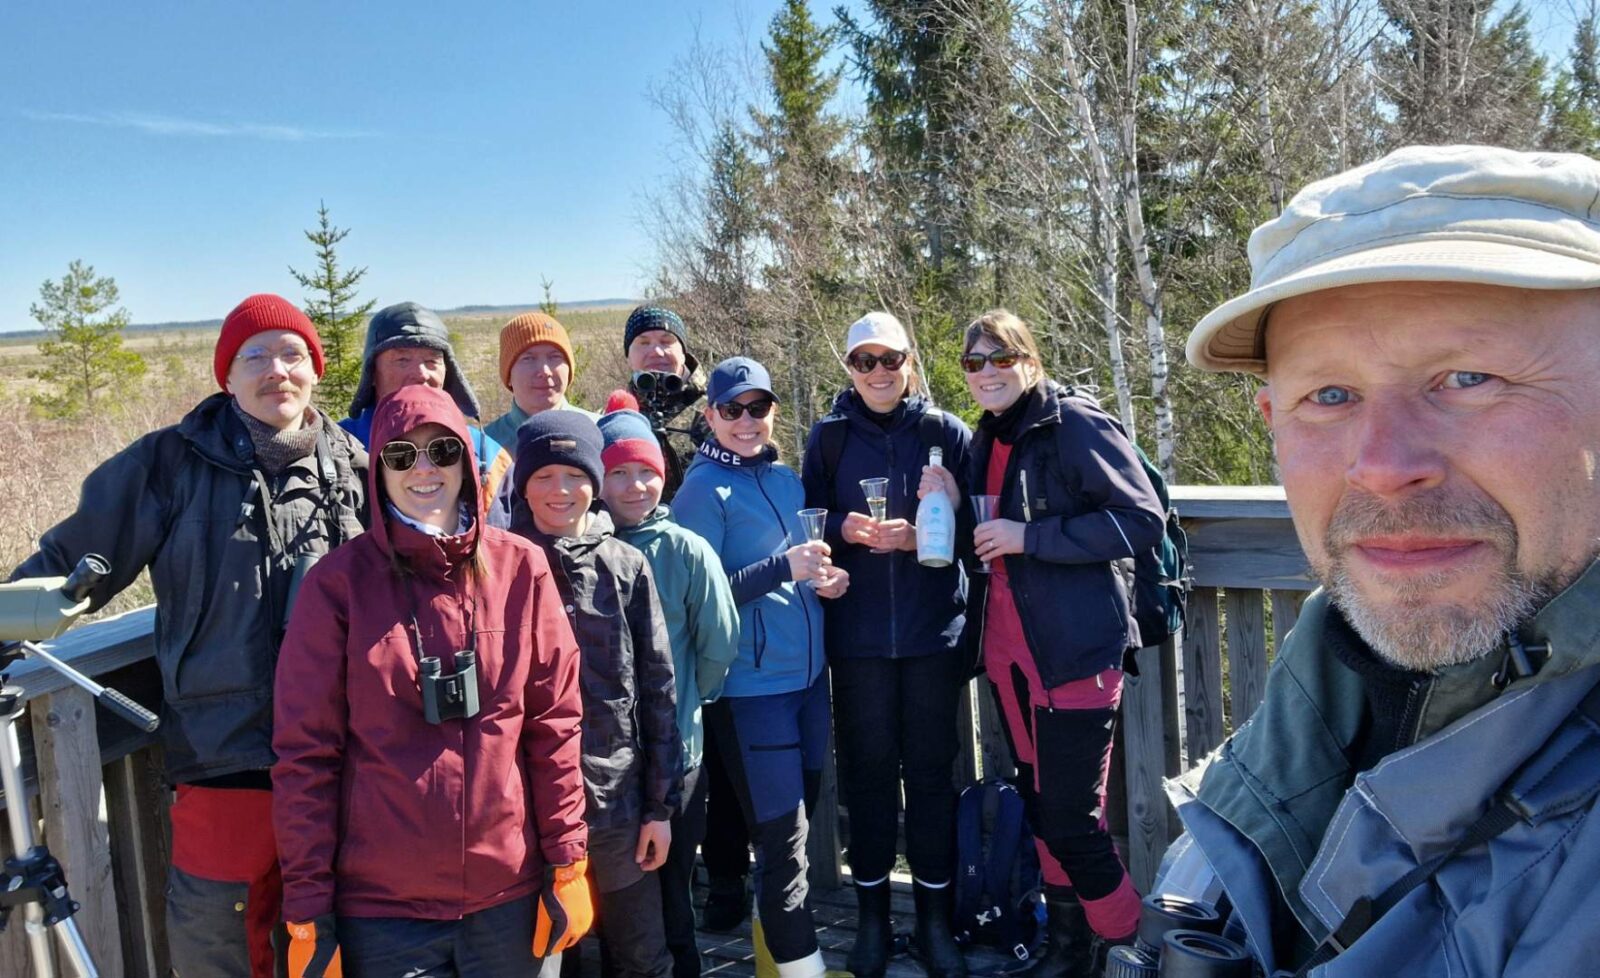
[[876, 530], [984, 509]]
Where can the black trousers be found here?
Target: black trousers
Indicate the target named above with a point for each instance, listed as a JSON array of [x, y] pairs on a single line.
[[492, 943], [677, 875], [895, 720], [726, 849]]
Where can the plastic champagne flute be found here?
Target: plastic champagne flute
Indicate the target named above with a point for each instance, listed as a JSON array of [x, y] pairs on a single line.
[[877, 493], [984, 509], [814, 522]]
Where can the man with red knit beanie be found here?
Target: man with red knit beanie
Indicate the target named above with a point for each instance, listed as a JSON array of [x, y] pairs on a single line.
[[227, 509]]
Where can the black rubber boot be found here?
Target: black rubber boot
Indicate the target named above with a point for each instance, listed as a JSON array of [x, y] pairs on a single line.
[[1071, 943], [936, 947], [727, 902], [874, 932]]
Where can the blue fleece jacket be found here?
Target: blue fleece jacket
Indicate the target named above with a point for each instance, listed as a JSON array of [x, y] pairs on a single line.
[[748, 511]]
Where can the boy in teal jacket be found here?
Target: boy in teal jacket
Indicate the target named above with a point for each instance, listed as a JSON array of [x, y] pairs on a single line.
[[702, 627]]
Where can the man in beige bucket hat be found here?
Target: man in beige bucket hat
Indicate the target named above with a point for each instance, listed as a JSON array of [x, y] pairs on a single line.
[[1414, 794]]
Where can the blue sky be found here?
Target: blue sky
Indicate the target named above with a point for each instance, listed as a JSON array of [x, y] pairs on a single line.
[[182, 148]]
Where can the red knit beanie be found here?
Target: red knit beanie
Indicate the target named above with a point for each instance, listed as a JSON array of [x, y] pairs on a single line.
[[258, 314]]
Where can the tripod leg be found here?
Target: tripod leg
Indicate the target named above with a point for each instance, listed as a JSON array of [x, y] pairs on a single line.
[[44, 966], [74, 950]]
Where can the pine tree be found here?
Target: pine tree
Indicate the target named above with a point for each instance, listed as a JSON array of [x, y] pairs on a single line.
[[331, 304], [84, 358], [549, 306]]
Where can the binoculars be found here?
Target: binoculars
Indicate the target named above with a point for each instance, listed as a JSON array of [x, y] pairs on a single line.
[[658, 382], [1179, 938], [452, 697]]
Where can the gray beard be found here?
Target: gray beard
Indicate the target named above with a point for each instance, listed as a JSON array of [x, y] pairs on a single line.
[[1411, 629]]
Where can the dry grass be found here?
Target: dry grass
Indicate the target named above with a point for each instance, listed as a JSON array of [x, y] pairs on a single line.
[[46, 461]]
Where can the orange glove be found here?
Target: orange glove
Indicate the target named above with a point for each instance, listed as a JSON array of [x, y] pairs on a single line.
[[313, 949], [566, 911]]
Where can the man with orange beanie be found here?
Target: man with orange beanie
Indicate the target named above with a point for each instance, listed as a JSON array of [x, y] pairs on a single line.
[[537, 367], [227, 509]]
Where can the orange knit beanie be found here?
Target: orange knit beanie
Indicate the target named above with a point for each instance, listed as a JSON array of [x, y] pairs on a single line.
[[526, 330]]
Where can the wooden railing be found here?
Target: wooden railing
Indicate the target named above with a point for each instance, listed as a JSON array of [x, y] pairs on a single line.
[[98, 796]]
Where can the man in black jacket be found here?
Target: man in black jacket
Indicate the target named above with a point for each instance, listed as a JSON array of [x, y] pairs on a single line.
[[226, 509]]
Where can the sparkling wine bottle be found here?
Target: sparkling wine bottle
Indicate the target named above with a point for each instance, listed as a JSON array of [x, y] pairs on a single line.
[[936, 523]]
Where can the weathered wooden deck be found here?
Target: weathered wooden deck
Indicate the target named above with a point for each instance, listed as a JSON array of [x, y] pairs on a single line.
[[731, 955]]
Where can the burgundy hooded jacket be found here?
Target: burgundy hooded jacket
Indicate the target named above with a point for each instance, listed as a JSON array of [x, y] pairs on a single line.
[[378, 812]]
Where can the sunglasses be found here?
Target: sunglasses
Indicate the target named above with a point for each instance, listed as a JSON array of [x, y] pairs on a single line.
[[733, 410], [866, 363], [973, 362], [443, 452]]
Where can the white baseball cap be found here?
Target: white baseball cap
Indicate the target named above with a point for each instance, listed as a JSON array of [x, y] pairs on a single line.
[[1477, 214], [880, 328]]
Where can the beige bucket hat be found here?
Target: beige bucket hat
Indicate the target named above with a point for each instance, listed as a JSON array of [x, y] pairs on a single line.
[[1421, 214]]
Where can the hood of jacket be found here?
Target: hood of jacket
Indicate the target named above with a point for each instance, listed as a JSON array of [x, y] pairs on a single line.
[[407, 324], [405, 410]]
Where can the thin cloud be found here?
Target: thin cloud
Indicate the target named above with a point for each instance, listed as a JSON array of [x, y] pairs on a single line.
[[166, 125]]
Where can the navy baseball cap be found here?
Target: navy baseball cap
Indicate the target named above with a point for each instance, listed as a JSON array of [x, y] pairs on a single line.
[[735, 376]]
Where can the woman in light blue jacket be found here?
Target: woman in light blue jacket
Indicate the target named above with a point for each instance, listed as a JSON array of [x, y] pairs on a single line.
[[772, 721]]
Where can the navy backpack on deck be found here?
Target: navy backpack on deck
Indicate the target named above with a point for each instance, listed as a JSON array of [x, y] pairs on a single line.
[[999, 899]]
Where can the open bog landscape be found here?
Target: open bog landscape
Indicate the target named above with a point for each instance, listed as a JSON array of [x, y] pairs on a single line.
[[47, 459]]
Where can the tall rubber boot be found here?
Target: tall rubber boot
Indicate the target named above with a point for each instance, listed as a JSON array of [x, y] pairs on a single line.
[[727, 901], [765, 966], [869, 957], [937, 949], [1071, 942]]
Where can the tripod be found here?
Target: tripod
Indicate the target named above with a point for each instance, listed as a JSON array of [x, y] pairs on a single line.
[[32, 879]]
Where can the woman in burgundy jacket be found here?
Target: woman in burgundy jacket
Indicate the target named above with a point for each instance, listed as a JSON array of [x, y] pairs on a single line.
[[416, 814]]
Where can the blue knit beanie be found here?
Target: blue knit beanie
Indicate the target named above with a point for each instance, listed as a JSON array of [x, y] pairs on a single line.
[[558, 438]]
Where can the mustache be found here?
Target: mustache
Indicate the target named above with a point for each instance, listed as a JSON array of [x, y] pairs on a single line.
[[1441, 512], [276, 389]]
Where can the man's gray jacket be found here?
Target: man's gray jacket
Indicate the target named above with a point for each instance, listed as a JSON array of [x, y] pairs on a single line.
[[184, 502], [1294, 836]]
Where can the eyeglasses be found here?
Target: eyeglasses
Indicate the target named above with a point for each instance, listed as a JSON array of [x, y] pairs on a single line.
[[973, 362], [865, 363], [258, 360], [733, 410], [443, 452]]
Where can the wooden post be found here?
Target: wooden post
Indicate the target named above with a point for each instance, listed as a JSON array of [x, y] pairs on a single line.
[[67, 752], [138, 801], [1202, 676], [1285, 612], [1247, 651], [1148, 830]]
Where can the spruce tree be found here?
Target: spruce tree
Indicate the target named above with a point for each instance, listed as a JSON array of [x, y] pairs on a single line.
[[339, 318], [1574, 123], [84, 359]]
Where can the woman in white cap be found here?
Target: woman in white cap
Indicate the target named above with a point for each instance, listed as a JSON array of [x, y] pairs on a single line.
[[892, 641]]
